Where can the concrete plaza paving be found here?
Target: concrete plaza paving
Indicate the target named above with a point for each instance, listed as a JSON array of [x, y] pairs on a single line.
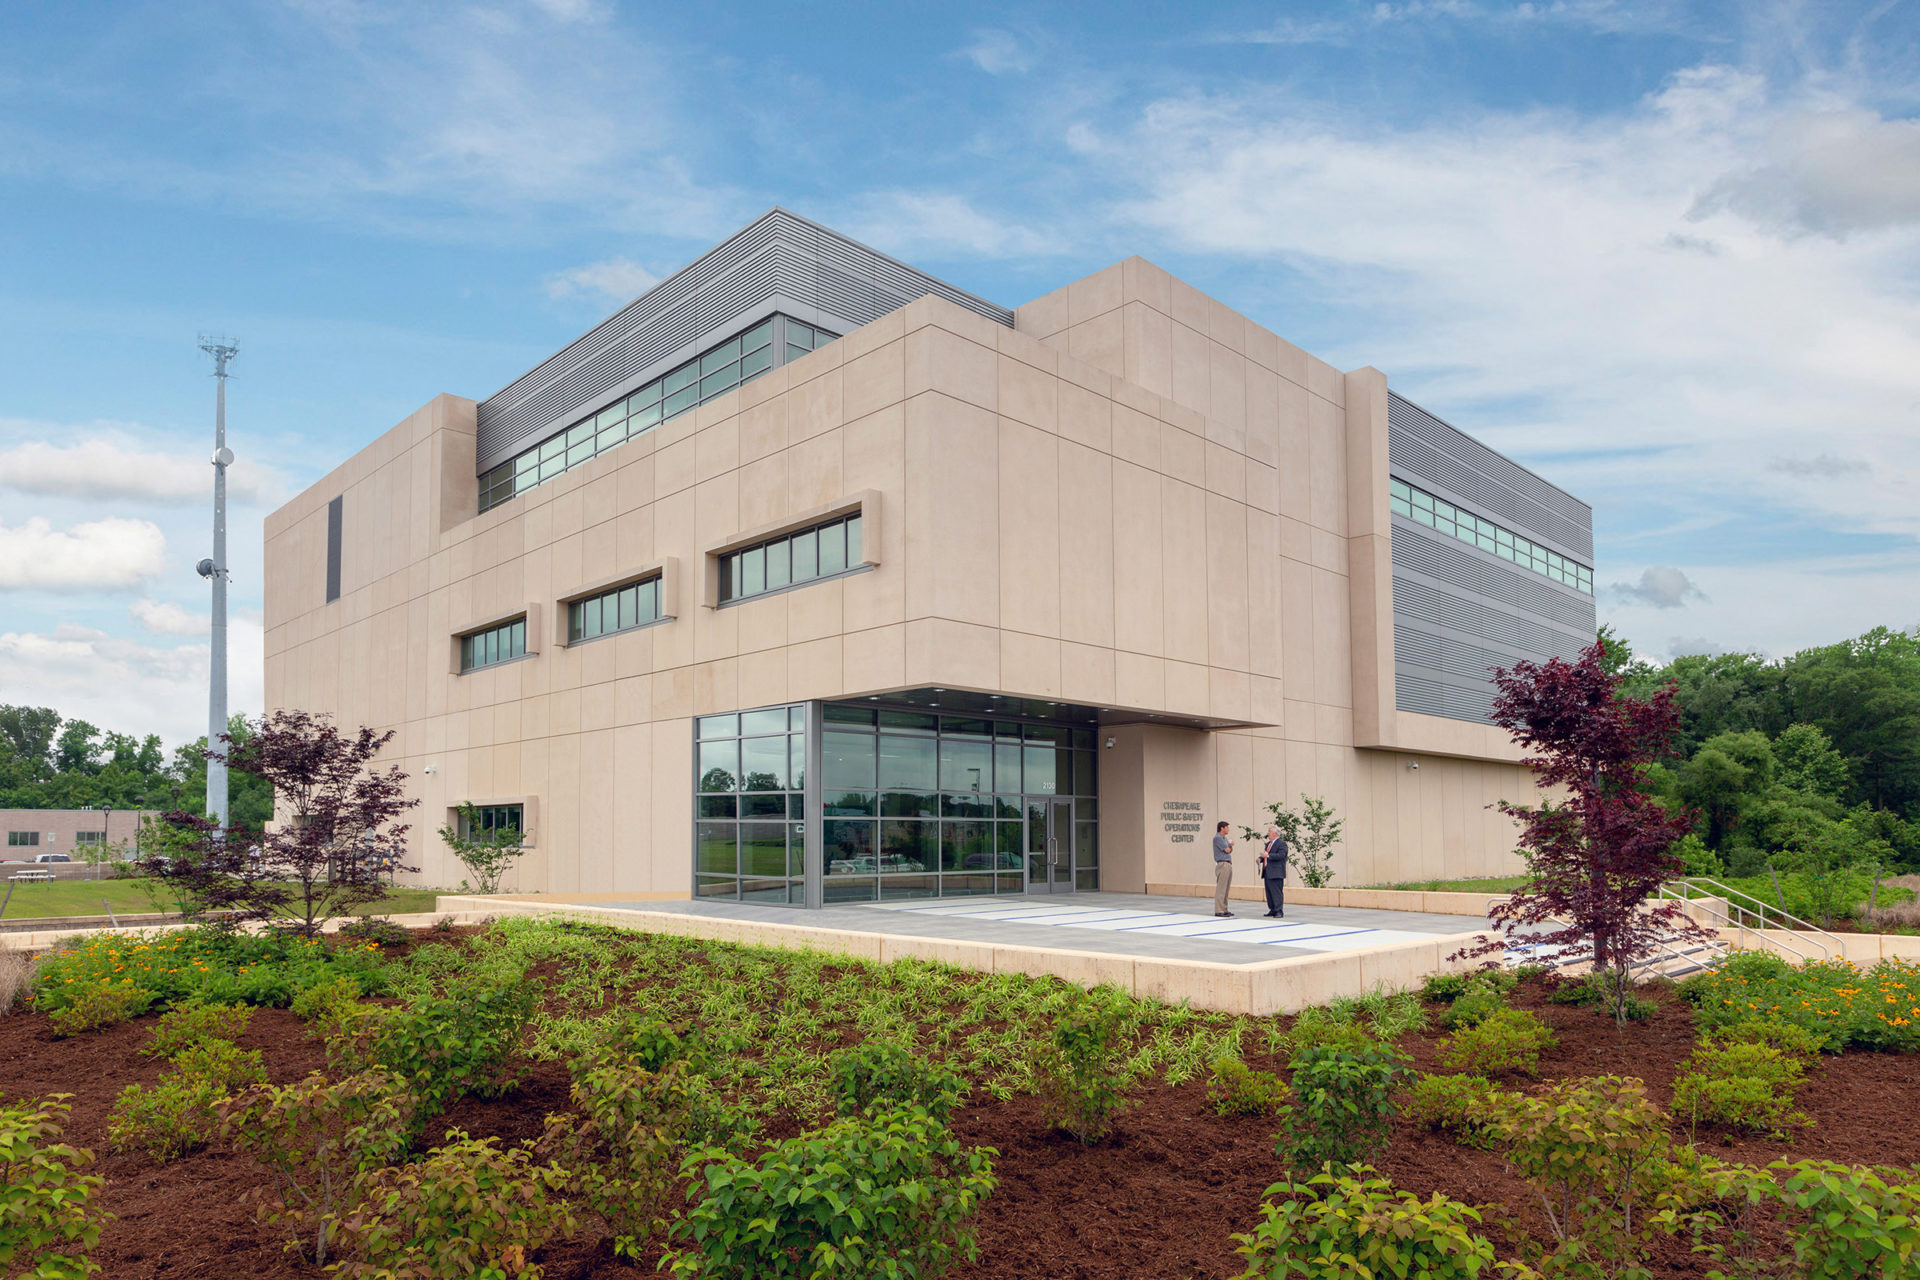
[[1123, 924]]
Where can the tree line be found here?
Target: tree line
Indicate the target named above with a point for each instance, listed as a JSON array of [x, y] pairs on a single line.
[[1808, 762], [48, 762]]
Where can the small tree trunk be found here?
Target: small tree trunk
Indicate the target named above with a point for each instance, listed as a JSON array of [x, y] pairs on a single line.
[[1878, 871]]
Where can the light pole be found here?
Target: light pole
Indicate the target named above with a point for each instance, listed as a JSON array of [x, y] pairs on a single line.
[[215, 570], [106, 828], [139, 814]]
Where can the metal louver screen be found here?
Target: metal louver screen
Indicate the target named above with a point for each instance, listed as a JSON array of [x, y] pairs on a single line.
[[1459, 611]]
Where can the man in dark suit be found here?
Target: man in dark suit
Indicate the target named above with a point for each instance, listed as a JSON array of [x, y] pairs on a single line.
[[1273, 873]]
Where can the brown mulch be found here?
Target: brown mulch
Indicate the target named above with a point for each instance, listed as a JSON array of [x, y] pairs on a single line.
[[1160, 1198]]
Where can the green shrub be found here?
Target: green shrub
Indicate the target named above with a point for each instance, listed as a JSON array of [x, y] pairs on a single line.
[[1321, 1026], [323, 1000], [1843, 1004], [178, 1113], [1460, 1105], [1595, 990], [1471, 1009], [1343, 1105], [1081, 1066], [886, 1195], [468, 1209], [1598, 1156], [623, 1155], [1442, 987], [378, 930], [887, 1074], [1784, 1036], [1508, 1040], [1744, 1084], [1235, 1089], [204, 965], [94, 1003], [1338, 1225], [1385, 1015], [191, 1024], [49, 1215], [1849, 1221], [445, 1047], [318, 1136], [649, 1042]]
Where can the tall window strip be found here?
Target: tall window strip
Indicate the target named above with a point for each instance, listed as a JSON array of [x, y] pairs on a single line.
[[494, 645], [1440, 514], [335, 524], [714, 372], [916, 805], [821, 551], [750, 836], [621, 609]]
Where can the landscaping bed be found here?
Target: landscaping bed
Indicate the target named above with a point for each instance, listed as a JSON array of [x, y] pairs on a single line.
[[1161, 1195]]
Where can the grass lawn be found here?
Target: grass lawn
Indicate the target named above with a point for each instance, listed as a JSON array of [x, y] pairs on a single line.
[[1486, 884], [84, 898]]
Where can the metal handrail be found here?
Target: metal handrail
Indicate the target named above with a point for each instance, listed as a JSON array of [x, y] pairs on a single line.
[[1567, 957], [1736, 915]]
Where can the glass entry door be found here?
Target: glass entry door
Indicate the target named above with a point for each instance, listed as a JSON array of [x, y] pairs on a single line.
[[1049, 844]]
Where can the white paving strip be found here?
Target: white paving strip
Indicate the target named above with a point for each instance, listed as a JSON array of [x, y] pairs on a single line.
[[1260, 932]]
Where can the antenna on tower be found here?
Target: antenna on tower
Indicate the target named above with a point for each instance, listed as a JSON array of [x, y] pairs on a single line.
[[214, 570]]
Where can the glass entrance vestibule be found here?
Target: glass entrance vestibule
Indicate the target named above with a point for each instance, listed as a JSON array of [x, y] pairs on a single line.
[[862, 802]]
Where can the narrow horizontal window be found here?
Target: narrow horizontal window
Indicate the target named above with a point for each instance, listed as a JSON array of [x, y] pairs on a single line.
[[1444, 517], [494, 645], [713, 372], [620, 609], [792, 559]]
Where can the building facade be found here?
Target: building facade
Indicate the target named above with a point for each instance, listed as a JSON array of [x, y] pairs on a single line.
[[809, 578], [78, 833]]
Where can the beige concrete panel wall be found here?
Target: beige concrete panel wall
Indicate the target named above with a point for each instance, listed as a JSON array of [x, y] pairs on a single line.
[[1125, 503], [1177, 765], [1370, 559], [1125, 822]]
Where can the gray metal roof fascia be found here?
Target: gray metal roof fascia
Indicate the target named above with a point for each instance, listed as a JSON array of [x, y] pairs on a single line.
[[1490, 449], [776, 255]]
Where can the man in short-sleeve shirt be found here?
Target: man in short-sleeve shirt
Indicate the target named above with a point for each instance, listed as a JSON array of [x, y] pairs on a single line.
[[1222, 869]]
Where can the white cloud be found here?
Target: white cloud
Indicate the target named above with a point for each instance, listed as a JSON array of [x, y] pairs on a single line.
[[998, 52], [1777, 606], [98, 555], [937, 223], [1824, 466], [165, 618], [110, 468], [1831, 172], [615, 280], [127, 686], [463, 121], [1661, 587], [1515, 270]]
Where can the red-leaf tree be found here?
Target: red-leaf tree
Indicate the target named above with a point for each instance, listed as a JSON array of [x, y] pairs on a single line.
[[210, 872], [1599, 852], [336, 831]]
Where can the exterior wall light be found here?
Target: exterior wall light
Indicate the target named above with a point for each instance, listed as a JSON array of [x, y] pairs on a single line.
[[1109, 742]]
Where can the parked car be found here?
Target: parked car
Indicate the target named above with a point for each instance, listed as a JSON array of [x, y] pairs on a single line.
[[54, 857]]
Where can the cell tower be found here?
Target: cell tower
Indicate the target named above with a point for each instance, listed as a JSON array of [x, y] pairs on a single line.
[[215, 570]]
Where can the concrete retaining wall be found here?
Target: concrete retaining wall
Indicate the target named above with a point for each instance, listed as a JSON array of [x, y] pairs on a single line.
[[1275, 986]]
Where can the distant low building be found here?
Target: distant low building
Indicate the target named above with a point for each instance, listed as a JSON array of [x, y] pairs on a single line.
[[74, 832]]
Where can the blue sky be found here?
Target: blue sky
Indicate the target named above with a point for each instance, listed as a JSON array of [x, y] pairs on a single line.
[[1667, 254]]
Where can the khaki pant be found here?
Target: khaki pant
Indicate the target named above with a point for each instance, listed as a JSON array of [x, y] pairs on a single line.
[[1222, 881]]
